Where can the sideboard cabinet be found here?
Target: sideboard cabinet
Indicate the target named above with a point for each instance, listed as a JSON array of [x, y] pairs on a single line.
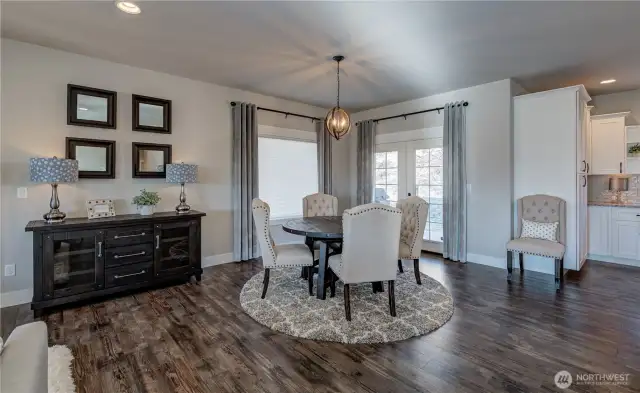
[[81, 259]]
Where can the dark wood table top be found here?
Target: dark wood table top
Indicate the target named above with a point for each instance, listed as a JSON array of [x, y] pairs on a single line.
[[329, 227]]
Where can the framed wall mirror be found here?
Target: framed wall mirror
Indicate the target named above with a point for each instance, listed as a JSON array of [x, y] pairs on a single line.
[[96, 158], [151, 114], [90, 107], [150, 160]]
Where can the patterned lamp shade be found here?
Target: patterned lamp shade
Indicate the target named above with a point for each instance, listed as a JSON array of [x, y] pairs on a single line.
[[182, 173], [53, 170]]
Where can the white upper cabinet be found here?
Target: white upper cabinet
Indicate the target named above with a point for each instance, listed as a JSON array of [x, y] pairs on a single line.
[[608, 144]]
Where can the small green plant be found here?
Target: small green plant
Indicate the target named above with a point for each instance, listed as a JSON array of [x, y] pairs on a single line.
[[146, 198], [634, 149]]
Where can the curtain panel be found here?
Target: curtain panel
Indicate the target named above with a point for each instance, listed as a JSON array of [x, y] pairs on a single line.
[[366, 161], [324, 144], [244, 179], [455, 183]]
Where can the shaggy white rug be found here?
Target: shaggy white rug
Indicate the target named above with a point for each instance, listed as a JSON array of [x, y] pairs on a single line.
[[60, 379]]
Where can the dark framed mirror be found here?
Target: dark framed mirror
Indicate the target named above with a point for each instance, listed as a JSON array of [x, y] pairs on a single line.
[[150, 160], [91, 107], [96, 158], [151, 114]]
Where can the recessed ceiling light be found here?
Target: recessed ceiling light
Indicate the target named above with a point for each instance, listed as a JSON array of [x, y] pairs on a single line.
[[128, 7], [82, 109], [607, 81]]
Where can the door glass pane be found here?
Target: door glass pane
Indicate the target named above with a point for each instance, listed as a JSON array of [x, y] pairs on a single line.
[[392, 159], [74, 263], [435, 195], [174, 247], [435, 157], [381, 160], [392, 176], [423, 192], [435, 175], [422, 176], [422, 158], [435, 213], [386, 190], [428, 180], [381, 176], [435, 232]]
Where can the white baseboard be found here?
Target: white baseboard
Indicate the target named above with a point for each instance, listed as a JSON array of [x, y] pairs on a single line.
[[14, 298], [23, 296], [534, 264], [219, 259], [612, 259]]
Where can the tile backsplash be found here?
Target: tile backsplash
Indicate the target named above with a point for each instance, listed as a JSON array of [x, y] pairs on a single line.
[[599, 189]]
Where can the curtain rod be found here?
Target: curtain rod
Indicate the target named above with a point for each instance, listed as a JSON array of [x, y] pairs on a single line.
[[465, 103], [233, 103]]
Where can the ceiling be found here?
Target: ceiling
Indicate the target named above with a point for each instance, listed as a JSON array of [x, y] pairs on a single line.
[[394, 51]]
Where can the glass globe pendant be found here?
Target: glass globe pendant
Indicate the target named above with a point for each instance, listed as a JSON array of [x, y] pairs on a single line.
[[338, 122]]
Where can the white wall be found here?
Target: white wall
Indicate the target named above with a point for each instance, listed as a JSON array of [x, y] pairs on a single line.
[[33, 124], [489, 159]]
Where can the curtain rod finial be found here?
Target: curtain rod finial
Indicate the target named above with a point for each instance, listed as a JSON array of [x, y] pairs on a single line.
[[233, 103]]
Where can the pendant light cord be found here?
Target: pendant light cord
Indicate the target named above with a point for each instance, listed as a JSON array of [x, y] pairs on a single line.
[[338, 97]]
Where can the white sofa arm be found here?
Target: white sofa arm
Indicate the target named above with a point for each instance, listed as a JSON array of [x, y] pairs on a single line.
[[24, 360]]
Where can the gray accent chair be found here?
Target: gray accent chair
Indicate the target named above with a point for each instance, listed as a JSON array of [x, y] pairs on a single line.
[[540, 208]]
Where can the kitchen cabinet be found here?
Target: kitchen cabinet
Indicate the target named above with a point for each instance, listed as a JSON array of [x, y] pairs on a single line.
[[624, 239], [614, 234], [599, 222], [608, 144]]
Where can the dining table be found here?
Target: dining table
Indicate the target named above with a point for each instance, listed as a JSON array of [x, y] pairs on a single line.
[[327, 231]]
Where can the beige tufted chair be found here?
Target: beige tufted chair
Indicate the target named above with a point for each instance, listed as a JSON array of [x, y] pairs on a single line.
[[286, 255], [540, 208], [414, 218], [371, 238], [319, 205]]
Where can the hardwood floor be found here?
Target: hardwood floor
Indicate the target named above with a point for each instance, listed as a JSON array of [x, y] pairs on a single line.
[[501, 338]]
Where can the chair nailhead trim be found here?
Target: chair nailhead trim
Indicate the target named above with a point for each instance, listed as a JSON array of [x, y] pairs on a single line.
[[535, 253]]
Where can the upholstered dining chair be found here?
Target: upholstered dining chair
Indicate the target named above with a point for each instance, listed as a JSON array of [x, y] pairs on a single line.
[[414, 218], [319, 204], [541, 231], [285, 255], [370, 250]]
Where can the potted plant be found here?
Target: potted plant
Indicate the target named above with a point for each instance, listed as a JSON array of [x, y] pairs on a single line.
[[146, 202], [634, 150]]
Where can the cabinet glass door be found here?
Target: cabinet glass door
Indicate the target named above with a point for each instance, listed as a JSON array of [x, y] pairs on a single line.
[[172, 247], [74, 262]]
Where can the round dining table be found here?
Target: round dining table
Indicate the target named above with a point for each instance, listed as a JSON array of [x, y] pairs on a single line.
[[325, 230]]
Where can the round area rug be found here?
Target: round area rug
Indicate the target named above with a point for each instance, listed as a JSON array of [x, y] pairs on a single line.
[[289, 309]]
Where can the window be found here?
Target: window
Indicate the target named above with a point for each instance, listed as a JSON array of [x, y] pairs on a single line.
[[429, 187], [288, 171]]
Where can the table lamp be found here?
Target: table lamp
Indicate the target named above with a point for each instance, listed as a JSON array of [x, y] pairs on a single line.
[[53, 171], [618, 185], [182, 173]]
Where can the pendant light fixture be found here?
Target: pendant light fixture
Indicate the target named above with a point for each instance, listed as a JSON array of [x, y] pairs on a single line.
[[338, 122]]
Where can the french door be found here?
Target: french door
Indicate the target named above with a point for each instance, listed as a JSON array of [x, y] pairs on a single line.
[[413, 168]]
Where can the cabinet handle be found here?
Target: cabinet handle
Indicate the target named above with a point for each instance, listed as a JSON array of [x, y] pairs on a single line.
[[584, 166], [117, 276], [157, 242], [620, 167], [587, 167], [99, 249], [123, 236], [585, 181], [129, 255]]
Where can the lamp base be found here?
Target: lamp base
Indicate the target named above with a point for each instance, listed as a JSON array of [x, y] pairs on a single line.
[[54, 216], [183, 208]]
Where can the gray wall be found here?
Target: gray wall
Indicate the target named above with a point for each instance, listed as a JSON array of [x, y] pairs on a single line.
[[33, 124]]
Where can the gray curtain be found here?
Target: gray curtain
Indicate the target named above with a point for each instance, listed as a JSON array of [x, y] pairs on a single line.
[[455, 183], [324, 158], [366, 160], [245, 179]]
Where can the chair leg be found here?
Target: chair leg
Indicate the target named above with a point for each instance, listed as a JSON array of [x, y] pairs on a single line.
[[334, 277], [347, 302], [400, 266], [377, 286], [392, 298], [562, 270], [265, 283], [416, 270], [509, 264], [521, 259], [558, 274], [310, 278]]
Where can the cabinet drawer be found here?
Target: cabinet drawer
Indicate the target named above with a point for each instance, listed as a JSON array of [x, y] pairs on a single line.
[[129, 235], [627, 214], [128, 274], [118, 256]]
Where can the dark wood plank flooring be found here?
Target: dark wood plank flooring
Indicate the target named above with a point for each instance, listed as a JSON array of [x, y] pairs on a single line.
[[501, 338]]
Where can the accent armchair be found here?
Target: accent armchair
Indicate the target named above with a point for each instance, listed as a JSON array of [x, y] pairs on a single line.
[[537, 209], [286, 255], [414, 218], [370, 250]]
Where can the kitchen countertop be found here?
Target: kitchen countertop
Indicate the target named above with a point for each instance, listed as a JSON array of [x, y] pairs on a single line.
[[614, 204]]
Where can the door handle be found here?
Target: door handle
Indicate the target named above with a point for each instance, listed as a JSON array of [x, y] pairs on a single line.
[[99, 249], [157, 242], [408, 194], [123, 236], [129, 255]]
